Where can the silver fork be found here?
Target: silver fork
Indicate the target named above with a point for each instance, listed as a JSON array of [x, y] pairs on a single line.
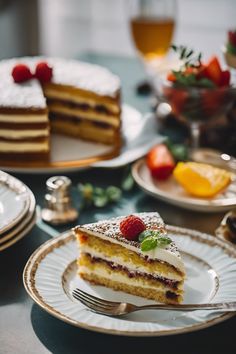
[[112, 308]]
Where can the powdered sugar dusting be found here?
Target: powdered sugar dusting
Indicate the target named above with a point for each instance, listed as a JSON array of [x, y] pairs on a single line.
[[71, 73], [110, 228]]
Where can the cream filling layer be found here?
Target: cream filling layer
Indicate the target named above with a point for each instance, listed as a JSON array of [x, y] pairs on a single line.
[[121, 279], [92, 116], [68, 96], [18, 134], [24, 147], [129, 265], [162, 254], [24, 118]]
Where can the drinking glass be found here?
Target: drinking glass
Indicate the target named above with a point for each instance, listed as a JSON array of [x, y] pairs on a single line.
[[152, 25]]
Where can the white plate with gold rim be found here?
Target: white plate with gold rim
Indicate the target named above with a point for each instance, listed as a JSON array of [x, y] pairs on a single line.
[[171, 192], [21, 225], [14, 201], [50, 275], [20, 234]]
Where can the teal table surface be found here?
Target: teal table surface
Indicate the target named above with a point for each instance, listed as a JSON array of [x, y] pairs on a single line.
[[26, 328]]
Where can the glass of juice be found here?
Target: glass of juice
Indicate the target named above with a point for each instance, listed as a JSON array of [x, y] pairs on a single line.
[[152, 25]]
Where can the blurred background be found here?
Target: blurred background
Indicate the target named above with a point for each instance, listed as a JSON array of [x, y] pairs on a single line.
[[114, 33], [70, 27]]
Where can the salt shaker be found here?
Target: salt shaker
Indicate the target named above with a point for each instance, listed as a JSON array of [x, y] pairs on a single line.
[[58, 204]]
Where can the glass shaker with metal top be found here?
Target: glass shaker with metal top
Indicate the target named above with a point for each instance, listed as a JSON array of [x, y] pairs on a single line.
[[58, 204]]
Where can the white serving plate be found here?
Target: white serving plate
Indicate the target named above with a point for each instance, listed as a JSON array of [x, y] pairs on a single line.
[[14, 201], [50, 276], [21, 225]]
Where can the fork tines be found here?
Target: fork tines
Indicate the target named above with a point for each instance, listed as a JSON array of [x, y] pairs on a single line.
[[94, 303]]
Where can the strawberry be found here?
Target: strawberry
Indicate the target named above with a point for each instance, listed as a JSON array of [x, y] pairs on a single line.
[[21, 73], [213, 71], [160, 162], [171, 77], [225, 78], [131, 227], [43, 72]]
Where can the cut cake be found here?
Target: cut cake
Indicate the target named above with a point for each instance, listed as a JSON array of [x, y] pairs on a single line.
[[107, 258]]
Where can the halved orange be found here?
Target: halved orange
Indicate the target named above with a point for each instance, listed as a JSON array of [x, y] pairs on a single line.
[[201, 180]]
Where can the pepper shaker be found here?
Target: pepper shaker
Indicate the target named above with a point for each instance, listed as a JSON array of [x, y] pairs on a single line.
[[58, 204]]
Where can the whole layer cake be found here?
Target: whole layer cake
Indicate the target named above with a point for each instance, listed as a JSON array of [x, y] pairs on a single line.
[[81, 100], [109, 258]]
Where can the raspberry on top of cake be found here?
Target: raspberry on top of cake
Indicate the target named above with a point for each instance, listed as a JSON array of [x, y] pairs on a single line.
[[133, 254]]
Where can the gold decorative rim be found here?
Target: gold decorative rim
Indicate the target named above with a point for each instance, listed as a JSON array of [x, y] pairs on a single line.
[[61, 164], [46, 248]]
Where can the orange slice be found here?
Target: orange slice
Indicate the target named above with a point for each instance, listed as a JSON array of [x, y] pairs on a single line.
[[201, 180]]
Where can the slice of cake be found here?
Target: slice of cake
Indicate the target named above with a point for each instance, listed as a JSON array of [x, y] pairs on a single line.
[[24, 125], [132, 254]]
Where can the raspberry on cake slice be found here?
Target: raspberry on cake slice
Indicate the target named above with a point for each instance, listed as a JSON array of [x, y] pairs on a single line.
[[132, 254]]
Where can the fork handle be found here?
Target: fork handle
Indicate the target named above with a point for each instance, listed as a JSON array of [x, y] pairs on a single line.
[[224, 306]]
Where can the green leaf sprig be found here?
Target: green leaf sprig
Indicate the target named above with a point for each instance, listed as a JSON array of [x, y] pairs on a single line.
[[190, 60], [151, 239], [191, 80], [101, 197], [97, 196], [127, 182], [188, 56]]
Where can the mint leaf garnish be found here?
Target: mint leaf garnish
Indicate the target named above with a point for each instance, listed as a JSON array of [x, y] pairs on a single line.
[[143, 235], [149, 243], [187, 75], [151, 239], [163, 241], [190, 58]]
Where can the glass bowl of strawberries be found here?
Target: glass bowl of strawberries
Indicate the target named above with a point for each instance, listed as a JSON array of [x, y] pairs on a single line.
[[197, 91]]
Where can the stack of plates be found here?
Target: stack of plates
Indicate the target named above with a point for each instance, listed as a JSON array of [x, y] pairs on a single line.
[[17, 210]]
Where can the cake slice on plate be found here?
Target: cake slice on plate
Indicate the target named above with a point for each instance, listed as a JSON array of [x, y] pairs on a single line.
[[132, 254]]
